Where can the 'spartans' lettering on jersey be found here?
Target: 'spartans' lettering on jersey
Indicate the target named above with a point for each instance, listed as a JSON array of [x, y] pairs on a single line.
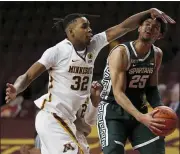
[[140, 70], [80, 70]]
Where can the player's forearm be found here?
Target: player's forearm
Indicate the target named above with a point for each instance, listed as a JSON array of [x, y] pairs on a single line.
[[126, 26], [126, 104], [91, 114], [133, 22], [22, 83], [95, 100]]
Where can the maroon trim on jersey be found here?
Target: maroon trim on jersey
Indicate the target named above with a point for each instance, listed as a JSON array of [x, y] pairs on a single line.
[[83, 58], [69, 131], [65, 126], [50, 95]]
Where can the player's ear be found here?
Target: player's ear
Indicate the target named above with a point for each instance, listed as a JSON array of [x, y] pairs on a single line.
[[139, 29], [70, 30]]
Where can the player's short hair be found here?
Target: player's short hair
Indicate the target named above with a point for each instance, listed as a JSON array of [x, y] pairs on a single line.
[[164, 27], [70, 18]]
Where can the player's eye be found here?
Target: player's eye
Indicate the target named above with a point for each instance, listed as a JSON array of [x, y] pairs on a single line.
[[84, 26], [147, 24]]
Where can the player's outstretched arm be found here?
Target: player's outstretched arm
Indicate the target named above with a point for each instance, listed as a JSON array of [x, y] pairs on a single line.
[[118, 62], [133, 22], [23, 81], [152, 92]]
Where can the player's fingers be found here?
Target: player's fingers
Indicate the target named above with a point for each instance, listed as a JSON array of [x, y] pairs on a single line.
[[158, 125], [98, 85], [6, 98], [8, 89], [163, 18], [11, 86], [154, 129], [93, 85], [169, 19], [160, 121], [154, 112]]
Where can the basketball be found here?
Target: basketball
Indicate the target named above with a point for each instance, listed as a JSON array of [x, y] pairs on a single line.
[[170, 118]]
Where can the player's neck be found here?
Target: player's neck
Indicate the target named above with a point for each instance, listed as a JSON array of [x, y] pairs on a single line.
[[77, 46], [142, 48]]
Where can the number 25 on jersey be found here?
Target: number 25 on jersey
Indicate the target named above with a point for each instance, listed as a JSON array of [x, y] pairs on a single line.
[[138, 81]]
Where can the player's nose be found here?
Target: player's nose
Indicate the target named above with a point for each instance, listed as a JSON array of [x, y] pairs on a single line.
[[89, 30]]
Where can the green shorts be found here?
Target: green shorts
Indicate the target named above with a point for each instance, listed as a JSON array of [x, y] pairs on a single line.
[[114, 129]]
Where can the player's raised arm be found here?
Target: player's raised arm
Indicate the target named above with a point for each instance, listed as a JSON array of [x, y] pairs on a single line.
[[133, 22], [152, 92], [118, 63]]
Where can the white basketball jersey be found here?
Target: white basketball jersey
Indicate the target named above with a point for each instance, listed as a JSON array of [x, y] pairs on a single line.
[[70, 76]]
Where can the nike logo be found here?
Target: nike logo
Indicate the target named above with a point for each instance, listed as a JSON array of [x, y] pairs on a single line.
[[133, 65], [75, 60]]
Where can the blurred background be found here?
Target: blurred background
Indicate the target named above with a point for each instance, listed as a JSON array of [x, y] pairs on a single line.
[[26, 32]]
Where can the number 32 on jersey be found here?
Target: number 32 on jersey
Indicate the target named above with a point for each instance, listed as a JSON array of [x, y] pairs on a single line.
[[81, 83], [138, 81]]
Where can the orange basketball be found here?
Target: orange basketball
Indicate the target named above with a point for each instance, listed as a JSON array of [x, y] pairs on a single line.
[[170, 118]]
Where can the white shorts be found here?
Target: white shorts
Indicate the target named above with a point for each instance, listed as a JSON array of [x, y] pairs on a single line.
[[83, 142], [56, 134]]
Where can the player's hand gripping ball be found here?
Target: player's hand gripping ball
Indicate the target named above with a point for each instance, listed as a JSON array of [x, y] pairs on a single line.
[[170, 118]]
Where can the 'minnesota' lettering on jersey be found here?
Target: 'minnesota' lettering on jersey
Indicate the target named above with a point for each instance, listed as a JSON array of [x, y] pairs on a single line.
[[80, 70]]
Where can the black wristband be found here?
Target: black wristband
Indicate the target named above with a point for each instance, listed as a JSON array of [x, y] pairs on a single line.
[[153, 96]]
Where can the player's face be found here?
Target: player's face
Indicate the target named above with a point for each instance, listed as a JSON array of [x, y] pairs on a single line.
[[82, 31], [149, 31]]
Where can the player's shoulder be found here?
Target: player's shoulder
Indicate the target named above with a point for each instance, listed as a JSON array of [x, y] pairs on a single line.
[[119, 49], [63, 48], [64, 45], [157, 50], [97, 37]]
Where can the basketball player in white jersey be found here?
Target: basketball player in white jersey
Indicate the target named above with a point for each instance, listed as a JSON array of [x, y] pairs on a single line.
[[86, 117], [70, 65]]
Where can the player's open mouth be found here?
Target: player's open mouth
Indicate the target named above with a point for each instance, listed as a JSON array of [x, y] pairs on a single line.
[[90, 36], [149, 33]]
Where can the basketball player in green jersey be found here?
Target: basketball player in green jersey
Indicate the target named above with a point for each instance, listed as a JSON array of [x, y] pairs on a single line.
[[130, 73]]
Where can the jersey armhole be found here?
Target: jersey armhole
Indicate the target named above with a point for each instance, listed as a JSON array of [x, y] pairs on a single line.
[[127, 52], [155, 55]]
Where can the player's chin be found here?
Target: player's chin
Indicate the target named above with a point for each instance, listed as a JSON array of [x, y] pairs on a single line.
[[88, 41], [147, 39]]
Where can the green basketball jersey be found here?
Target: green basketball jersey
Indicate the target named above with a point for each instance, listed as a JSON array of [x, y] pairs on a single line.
[[138, 73]]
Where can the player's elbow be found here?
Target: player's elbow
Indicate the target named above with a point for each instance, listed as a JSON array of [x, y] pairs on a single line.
[[118, 94], [28, 77]]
